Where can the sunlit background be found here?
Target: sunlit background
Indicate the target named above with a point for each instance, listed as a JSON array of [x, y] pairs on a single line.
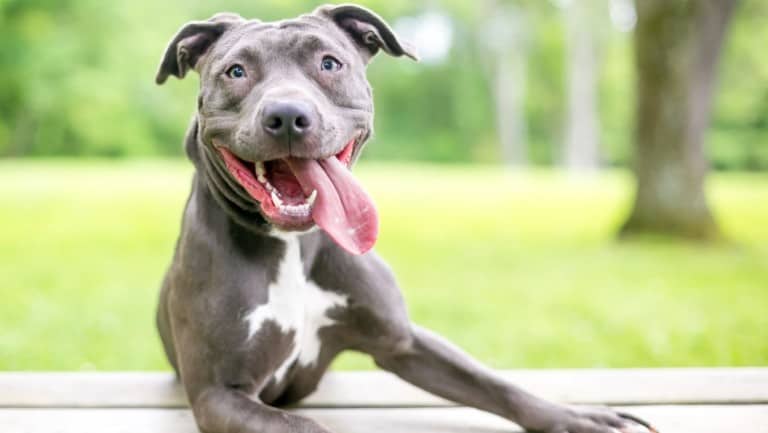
[[502, 166]]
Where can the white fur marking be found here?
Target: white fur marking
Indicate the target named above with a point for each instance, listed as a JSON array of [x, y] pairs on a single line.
[[295, 304]]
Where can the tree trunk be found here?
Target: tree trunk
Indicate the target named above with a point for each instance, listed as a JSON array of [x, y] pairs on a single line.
[[509, 92], [503, 37], [581, 144], [677, 43]]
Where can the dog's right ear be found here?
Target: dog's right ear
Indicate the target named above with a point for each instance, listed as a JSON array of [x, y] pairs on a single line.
[[367, 29], [190, 44]]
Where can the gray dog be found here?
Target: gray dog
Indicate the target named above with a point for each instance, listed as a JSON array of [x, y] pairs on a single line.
[[257, 302]]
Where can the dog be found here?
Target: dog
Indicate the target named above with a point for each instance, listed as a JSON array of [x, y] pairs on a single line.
[[273, 273]]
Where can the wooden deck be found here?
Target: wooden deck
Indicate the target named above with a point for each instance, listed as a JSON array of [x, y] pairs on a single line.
[[675, 400]]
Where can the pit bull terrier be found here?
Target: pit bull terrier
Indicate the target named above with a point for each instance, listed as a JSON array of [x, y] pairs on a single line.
[[273, 276]]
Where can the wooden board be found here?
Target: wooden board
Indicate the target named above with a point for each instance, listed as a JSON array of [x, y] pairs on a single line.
[[598, 386], [353, 389], [669, 419]]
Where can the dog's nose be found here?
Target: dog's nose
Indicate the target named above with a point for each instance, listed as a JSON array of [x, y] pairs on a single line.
[[283, 119]]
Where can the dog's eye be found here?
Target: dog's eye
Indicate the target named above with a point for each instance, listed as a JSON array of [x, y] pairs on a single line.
[[330, 64], [236, 71]]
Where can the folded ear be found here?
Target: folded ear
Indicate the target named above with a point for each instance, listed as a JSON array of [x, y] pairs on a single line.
[[190, 44], [369, 31]]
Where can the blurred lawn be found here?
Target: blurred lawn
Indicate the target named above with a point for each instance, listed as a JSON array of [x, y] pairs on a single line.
[[518, 268]]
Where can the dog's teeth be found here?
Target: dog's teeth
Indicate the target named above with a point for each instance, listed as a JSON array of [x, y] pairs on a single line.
[[311, 198], [260, 170], [276, 199], [295, 210], [300, 210], [269, 187]]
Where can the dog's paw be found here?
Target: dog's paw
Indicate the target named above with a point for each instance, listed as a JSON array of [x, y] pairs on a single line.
[[596, 420], [602, 420]]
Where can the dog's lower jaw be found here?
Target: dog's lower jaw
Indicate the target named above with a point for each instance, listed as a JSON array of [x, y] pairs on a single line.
[[295, 193], [237, 205]]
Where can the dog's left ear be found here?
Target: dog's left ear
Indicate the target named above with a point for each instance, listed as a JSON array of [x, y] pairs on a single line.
[[369, 31], [190, 44]]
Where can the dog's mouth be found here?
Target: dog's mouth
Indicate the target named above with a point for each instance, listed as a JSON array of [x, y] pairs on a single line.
[[296, 193]]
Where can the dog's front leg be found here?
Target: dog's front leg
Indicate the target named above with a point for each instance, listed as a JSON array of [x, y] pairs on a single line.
[[223, 384], [434, 364], [228, 410]]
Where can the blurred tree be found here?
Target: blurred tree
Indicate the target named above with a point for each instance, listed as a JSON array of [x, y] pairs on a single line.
[[503, 35], [677, 43], [583, 20]]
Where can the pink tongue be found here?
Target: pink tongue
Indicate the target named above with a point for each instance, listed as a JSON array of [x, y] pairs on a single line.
[[342, 208]]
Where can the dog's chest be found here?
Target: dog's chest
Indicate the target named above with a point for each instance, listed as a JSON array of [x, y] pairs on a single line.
[[296, 305]]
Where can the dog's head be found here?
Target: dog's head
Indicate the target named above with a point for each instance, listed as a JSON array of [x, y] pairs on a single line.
[[284, 109]]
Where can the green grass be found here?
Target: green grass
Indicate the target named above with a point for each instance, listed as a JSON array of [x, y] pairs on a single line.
[[520, 269]]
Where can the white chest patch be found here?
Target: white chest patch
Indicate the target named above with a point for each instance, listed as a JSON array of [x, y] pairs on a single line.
[[295, 304]]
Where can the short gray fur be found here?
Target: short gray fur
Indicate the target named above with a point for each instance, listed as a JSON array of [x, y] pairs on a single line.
[[228, 254]]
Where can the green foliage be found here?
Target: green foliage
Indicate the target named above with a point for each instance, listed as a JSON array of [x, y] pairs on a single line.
[[518, 268], [76, 78], [740, 123]]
